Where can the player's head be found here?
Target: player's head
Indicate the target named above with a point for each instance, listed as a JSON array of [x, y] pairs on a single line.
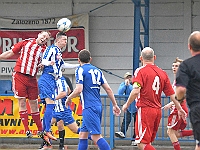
[[194, 41], [176, 64], [43, 37], [61, 39], [147, 55], [84, 56]]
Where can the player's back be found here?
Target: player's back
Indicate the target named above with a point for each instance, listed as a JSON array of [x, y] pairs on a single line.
[[91, 78], [153, 81]]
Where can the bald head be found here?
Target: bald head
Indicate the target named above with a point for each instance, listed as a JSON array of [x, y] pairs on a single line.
[[147, 54], [194, 41]]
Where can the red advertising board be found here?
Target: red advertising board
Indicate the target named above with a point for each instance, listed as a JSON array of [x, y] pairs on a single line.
[[76, 40]]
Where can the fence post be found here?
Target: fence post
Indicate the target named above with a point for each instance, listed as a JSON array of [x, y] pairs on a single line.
[[111, 126]]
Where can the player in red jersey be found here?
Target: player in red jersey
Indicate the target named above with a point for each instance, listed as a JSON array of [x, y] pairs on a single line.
[[148, 83], [175, 125], [24, 76]]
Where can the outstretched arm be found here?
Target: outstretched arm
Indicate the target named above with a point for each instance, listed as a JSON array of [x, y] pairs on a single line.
[[6, 55]]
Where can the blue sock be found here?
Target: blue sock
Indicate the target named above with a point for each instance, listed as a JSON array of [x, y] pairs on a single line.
[[48, 116], [78, 130], [103, 144], [89, 137], [83, 144], [43, 124]]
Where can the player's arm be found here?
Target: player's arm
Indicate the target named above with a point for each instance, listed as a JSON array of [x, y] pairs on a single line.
[[6, 54], [61, 95], [69, 66], [110, 93], [133, 95], [76, 92], [116, 109], [182, 114], [180, 93]]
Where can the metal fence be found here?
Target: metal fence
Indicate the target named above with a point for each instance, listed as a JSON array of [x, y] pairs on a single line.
[[111, 123]]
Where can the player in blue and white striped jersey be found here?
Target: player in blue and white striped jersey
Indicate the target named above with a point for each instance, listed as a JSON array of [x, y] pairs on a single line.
[[62, 115], [89, 79], [52, 65]]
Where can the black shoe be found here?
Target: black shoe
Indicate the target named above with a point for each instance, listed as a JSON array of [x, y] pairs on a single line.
[[42, 145], [61, 148], [29, 134]]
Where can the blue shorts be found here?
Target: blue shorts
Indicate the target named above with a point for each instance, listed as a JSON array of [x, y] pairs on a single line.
[[66, 116], [47, 86], [92, 120]]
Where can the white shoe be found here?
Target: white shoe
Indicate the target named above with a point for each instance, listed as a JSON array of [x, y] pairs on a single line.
[[133, 143], [119, 134]]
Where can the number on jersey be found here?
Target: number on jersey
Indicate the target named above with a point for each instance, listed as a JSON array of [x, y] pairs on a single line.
[[156, 84]]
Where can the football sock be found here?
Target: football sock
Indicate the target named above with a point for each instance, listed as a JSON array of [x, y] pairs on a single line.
[[149, 147], [43, 124], [24, 118], [89, 137], [83, 144], [176, 146], [103, 144], [48, 116], [62, 137], [36, 119], [186, 133]]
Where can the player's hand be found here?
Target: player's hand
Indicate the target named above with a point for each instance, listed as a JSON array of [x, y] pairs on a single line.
[[116, 110], [125, 107], [52, 63], [167, 106], [182, 114], [68, 102]]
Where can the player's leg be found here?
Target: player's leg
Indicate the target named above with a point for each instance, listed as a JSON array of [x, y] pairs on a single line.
[[83, 140], [24, 116], [19, 89], [172, 135], [32, 95], [147, 122], [194, 119], [121, 133], [48, 117], [61, 130]]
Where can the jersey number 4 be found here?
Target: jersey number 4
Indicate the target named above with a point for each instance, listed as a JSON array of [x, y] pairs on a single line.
[[156, 84]]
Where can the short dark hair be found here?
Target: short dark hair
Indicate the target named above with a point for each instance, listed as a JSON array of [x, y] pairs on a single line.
[[194, 41], [59, 34], [84, 56]]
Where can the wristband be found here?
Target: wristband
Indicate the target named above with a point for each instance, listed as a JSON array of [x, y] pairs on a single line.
[[180, 100]]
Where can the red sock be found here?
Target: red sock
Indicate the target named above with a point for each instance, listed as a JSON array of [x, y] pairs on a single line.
[[186, 133], [176, 146], [24, 118], [149, 147], [36, 119]]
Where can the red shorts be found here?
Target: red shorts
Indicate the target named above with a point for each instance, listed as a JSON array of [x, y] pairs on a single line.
[[173, 120], [147, 123], [25, 86]]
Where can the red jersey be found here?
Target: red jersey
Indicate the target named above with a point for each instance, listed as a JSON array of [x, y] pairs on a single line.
[[30, 56], [153, 81]]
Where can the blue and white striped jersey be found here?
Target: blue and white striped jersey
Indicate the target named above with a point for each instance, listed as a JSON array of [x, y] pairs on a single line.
[[61, 86], [92, 78], [52, 53]]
